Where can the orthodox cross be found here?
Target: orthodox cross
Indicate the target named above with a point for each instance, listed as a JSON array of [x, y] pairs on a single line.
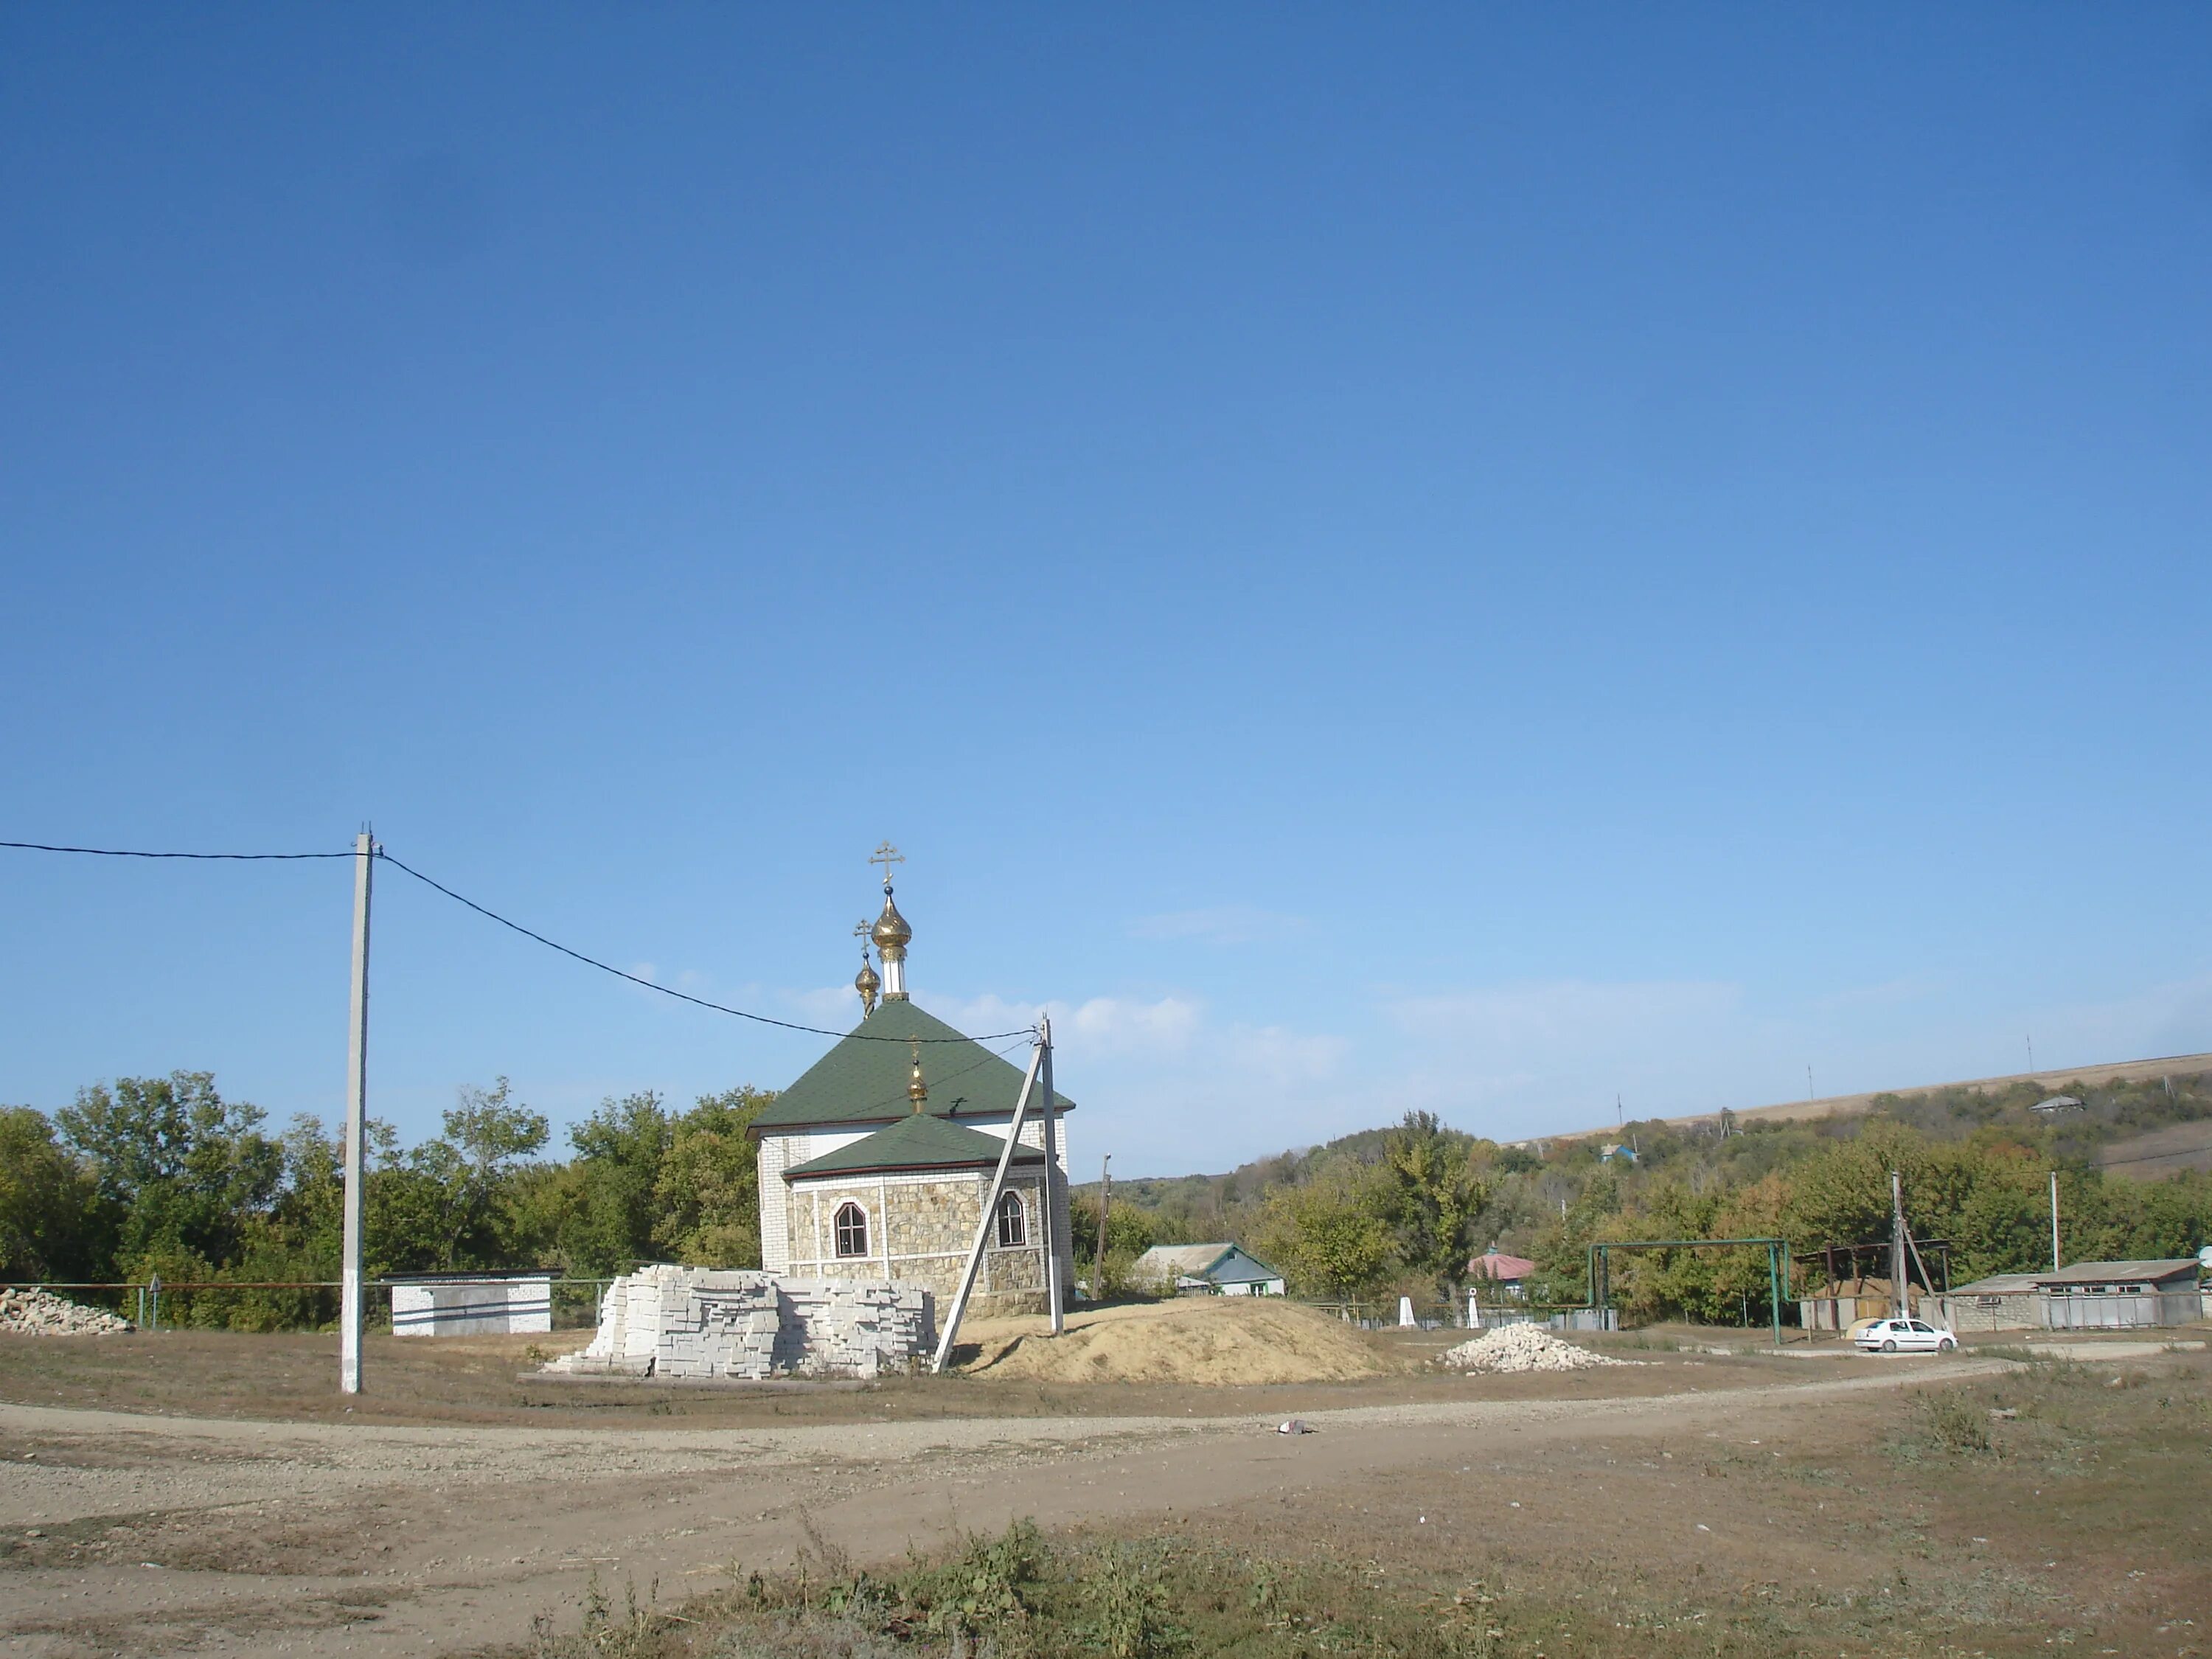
[[887, 855]]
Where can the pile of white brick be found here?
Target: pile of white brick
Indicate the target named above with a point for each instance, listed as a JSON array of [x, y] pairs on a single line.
[[41, 1313], [697, 1322]]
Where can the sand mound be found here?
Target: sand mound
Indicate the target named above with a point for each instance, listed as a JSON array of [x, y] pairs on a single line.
[[1522, 1348], [1208, 1339], [41, 1313]]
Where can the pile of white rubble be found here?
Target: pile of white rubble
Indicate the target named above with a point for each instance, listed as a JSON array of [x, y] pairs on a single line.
[[40, 1313], [1522, 1348]]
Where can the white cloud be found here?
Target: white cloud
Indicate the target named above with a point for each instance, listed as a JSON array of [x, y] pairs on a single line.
[[1564, 1018], [1221, 924], [834, 1007], [1117, 1026], [1282, 1059], [1512, 1060]]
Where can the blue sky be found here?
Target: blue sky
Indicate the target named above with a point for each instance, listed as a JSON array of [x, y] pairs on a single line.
[[1474, 558]]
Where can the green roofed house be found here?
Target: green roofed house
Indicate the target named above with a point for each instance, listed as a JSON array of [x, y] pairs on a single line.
[[876, 1162]]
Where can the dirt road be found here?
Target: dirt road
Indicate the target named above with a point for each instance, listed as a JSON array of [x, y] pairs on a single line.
[[131, 1534]]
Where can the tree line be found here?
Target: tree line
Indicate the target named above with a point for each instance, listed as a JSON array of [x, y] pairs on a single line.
[[1402, 1211], [163, 1176], [148, 1177]]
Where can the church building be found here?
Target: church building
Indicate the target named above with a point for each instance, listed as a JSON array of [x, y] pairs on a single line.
[[876, 1163]]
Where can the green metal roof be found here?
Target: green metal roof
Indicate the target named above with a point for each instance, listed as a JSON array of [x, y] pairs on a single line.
[[916, 1141], [862, 1081]]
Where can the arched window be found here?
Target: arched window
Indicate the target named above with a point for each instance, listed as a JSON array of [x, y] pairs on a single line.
[[1013, 1222], [851, 1229]]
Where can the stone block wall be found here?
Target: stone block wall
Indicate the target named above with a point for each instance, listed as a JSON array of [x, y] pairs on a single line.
[[697, 1322], [786, 1233], [921, 1228]]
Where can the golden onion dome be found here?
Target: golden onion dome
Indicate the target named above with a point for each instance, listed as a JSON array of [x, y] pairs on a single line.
[[865, 981], [890, 931], [916, 1090]]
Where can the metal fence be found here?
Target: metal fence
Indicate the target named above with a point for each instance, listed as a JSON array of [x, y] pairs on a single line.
[[1460, 1316], [276, 1304], [2122, 1310]]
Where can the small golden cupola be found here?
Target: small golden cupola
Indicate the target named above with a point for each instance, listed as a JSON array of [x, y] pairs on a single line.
[[916, 1090], [890, 933], [865, 981]]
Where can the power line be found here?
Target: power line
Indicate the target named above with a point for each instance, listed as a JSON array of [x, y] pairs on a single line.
[[2153, 1158], [119, 853], [681, 996], [936, 1084], [554, 944]]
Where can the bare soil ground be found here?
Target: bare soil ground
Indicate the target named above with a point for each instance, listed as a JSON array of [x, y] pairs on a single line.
[[458, 1501], [2158, 1153], [1205, 1339], [491, 1382]]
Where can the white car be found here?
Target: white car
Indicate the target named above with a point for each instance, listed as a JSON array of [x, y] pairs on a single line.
[[1905, 1336]]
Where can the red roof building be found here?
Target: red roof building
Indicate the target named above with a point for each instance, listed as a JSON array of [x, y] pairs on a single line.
[[1501, 1269]]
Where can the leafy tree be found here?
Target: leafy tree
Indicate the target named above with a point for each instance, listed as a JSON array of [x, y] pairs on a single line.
[[1130, 1231], [707, 1193], [608, 1195], [1434, 1194], [443, 1205], [1328, 1239], [187, 1168], [51, 1224]]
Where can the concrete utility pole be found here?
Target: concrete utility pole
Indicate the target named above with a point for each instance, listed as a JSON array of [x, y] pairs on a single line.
[[1105, 1199], [350, 1293], [1900, 1292], [1052, 1285], [989, 1217], [2055, 1263]]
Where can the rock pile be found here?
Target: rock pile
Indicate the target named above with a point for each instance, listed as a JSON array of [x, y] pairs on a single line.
[[41, 1313], [1522, 1348]]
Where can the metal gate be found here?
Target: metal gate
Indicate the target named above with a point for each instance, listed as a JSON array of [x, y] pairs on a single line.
[[2118, 1310]]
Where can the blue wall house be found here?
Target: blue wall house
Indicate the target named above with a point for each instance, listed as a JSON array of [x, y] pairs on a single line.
[[1222, 1269]]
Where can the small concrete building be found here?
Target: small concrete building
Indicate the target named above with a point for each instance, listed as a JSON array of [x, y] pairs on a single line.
[[2088, 1295], [2002, 1301], [472, 1305], [1220, 1269]]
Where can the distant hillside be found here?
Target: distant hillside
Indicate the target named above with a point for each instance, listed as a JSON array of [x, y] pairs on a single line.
[[1798, 1111], [2144, 1121]]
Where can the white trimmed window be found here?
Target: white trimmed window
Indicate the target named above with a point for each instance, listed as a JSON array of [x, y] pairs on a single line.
[[1013, 1222], [851, 1229]]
